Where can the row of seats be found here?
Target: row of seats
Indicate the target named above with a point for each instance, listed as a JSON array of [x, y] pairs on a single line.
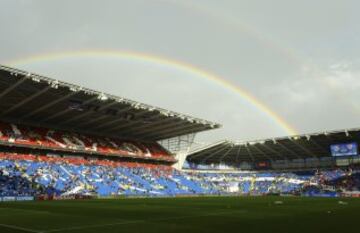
[[301, 183], [57, 176], [77, 160], [36, 136], [27, 174], [252, 183]]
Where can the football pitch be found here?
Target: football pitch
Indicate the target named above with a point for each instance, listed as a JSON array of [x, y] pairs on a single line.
[[198, 214]]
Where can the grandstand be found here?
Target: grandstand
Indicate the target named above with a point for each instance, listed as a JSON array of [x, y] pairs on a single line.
[[62, 141], [31, 99], [299, 151], [319, 164], [59, 140]]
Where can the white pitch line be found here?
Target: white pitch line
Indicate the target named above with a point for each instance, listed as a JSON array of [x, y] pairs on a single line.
[[140, 221], [20, 228]]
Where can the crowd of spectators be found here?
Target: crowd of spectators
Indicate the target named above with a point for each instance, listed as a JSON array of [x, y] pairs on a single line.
[[331, 182], [60, 140], [55, 175]]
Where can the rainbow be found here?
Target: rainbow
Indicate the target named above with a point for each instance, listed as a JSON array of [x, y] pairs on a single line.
[[182, 66]]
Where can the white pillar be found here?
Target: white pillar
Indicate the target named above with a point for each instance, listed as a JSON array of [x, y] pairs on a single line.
[[180, 156]]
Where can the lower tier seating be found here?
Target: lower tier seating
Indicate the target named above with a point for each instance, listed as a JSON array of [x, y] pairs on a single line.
[[55, 176], [43, 175]]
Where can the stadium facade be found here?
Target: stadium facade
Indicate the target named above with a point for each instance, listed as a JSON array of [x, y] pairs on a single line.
[[60, 140]]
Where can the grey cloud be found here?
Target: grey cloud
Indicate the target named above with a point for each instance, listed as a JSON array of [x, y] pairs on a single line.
[[269, 48]]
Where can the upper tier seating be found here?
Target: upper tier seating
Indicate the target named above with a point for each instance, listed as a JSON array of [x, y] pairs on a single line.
[[41, 137]]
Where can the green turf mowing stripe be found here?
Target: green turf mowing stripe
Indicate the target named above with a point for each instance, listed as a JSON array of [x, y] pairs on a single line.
[[20, 228], [25, 210], [92, 226], [141, 221], [179, 215]]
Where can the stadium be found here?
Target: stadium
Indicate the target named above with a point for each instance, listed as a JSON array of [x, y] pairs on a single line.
[[77, 160]]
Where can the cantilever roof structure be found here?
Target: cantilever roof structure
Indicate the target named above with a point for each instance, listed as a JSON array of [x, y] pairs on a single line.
[[32, 99], [315, 145]]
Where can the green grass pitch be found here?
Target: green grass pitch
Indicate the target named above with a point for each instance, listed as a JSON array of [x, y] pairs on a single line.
[[186, 215]]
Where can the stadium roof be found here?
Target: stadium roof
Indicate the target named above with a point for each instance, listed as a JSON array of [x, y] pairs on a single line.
[[27, 98], [286, 148]]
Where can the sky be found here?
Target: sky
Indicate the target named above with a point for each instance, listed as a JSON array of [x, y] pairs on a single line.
[[296, 61]]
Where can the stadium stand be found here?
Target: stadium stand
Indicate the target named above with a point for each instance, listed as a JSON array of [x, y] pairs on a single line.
[[35, 100], [309, 149], [320, 164], [59, 140], [25, 174], [331, 182], [51, 139]]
